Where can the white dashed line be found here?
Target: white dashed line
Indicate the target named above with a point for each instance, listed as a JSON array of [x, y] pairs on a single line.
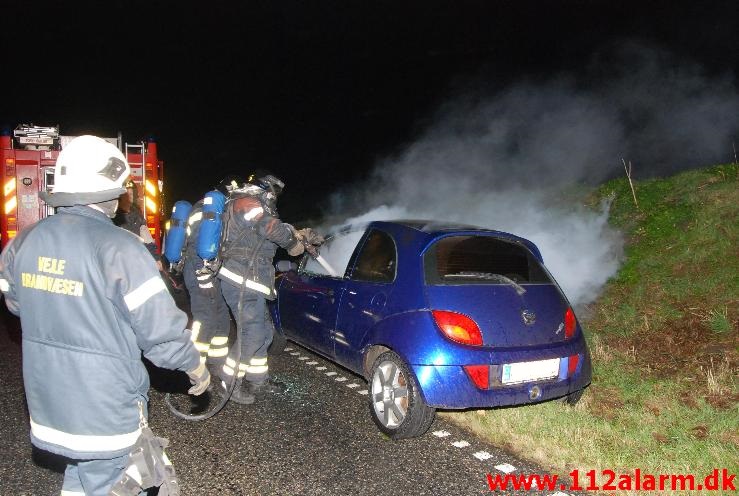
[[482, 455], [441, 433], [506, 467], [560, 493]]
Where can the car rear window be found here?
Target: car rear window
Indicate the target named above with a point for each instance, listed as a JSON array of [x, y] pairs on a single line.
[[481, 260]]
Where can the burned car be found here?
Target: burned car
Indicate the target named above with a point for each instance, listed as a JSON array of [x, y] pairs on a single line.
[[435, 316]]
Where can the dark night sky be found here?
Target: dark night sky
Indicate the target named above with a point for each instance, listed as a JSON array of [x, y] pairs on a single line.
[[315, 91]]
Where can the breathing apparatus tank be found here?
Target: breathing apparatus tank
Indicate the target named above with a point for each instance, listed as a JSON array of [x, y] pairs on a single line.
[[209, 236], [177, 231]]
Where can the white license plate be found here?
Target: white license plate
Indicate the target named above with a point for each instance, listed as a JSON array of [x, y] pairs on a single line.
[[514, 373]]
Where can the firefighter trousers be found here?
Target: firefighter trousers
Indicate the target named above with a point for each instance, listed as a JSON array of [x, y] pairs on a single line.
[[255, 332], [211, 321], [93, 477]]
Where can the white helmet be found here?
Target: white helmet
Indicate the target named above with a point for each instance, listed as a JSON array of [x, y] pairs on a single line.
[[88, 170]]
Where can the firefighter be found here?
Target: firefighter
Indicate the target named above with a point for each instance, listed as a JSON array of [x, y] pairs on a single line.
[[252, 233], [91, 301], [129, 217], [211, 319]]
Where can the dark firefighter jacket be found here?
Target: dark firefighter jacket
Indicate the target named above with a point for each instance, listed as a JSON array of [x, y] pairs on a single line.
[[134, 221], [90, 299], [252, 233]]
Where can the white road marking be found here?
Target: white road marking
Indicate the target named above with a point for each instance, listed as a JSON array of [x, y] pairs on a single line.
[[560, 493], [482, 455], [506, 467]]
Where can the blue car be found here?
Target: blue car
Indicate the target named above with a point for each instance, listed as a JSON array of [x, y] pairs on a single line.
[[435, 316]]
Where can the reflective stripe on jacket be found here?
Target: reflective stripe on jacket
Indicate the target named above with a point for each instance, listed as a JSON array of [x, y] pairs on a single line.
[[252, 234]]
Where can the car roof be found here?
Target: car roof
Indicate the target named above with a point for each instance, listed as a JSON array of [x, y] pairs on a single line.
[[431, 230]]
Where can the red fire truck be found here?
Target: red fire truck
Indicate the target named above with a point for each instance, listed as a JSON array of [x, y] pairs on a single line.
[[29, 155]]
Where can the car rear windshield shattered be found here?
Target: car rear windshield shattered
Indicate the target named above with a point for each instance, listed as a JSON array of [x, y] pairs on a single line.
[[482, 260]]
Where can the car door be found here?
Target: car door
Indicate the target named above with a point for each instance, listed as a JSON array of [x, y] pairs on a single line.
[[366, 293], [309, 297]]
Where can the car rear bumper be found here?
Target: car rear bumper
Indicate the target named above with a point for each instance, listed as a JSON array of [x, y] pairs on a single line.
[[449, 386]]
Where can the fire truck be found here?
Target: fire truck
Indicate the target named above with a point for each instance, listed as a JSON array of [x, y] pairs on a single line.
[[29, 154]]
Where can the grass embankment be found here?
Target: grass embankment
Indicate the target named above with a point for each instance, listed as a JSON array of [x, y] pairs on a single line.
[[664, 338]]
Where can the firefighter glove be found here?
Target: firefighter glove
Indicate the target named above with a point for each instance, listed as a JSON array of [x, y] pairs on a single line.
[[199, 378], [310, 236], [296, 249]]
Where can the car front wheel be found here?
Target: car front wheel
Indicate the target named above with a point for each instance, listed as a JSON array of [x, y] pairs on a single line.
[[395, 402]]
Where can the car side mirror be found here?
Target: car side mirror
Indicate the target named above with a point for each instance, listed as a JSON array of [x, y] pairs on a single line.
[[285, 266]]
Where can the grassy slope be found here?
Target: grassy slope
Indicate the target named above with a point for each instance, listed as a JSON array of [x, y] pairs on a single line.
[[664, 336]]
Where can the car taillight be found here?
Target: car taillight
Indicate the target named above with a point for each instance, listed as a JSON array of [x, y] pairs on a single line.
[[572, 365], [479, 375], [457, 327], [570, 323]]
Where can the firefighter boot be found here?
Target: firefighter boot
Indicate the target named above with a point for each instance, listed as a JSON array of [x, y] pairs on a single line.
[[268, 386], [241, 393]]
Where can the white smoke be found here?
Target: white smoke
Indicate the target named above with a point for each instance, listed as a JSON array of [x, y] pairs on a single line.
[[510, 162]]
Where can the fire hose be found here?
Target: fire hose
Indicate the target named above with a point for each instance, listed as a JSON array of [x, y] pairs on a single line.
[[228, 388]]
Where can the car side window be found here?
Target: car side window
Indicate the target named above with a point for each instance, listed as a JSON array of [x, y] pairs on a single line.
[[335, 255], [378, 259]]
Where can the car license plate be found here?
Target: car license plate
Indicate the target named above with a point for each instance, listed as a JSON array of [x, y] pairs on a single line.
[[514, 373]]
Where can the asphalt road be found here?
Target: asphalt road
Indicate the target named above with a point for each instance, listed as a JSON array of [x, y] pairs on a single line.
[[315, 438]]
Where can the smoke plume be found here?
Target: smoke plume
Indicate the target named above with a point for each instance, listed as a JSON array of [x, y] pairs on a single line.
[[510, 161]]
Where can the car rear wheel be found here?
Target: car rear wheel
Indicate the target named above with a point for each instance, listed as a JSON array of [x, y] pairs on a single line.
[[395, 402]]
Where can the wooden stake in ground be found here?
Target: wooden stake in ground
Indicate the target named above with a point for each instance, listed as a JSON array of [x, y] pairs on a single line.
[[628, 174]]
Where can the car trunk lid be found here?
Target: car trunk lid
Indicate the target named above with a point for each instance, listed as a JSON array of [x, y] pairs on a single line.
[[500, 284], [506, 318]]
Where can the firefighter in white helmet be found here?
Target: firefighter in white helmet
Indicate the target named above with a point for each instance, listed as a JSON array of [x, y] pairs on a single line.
[[91, 300]]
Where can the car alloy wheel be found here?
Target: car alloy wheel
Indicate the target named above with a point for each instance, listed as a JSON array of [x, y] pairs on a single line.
[[395, 402]]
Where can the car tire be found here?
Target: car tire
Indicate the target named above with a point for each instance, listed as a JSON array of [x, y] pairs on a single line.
[[573, 398], [395, 401]]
